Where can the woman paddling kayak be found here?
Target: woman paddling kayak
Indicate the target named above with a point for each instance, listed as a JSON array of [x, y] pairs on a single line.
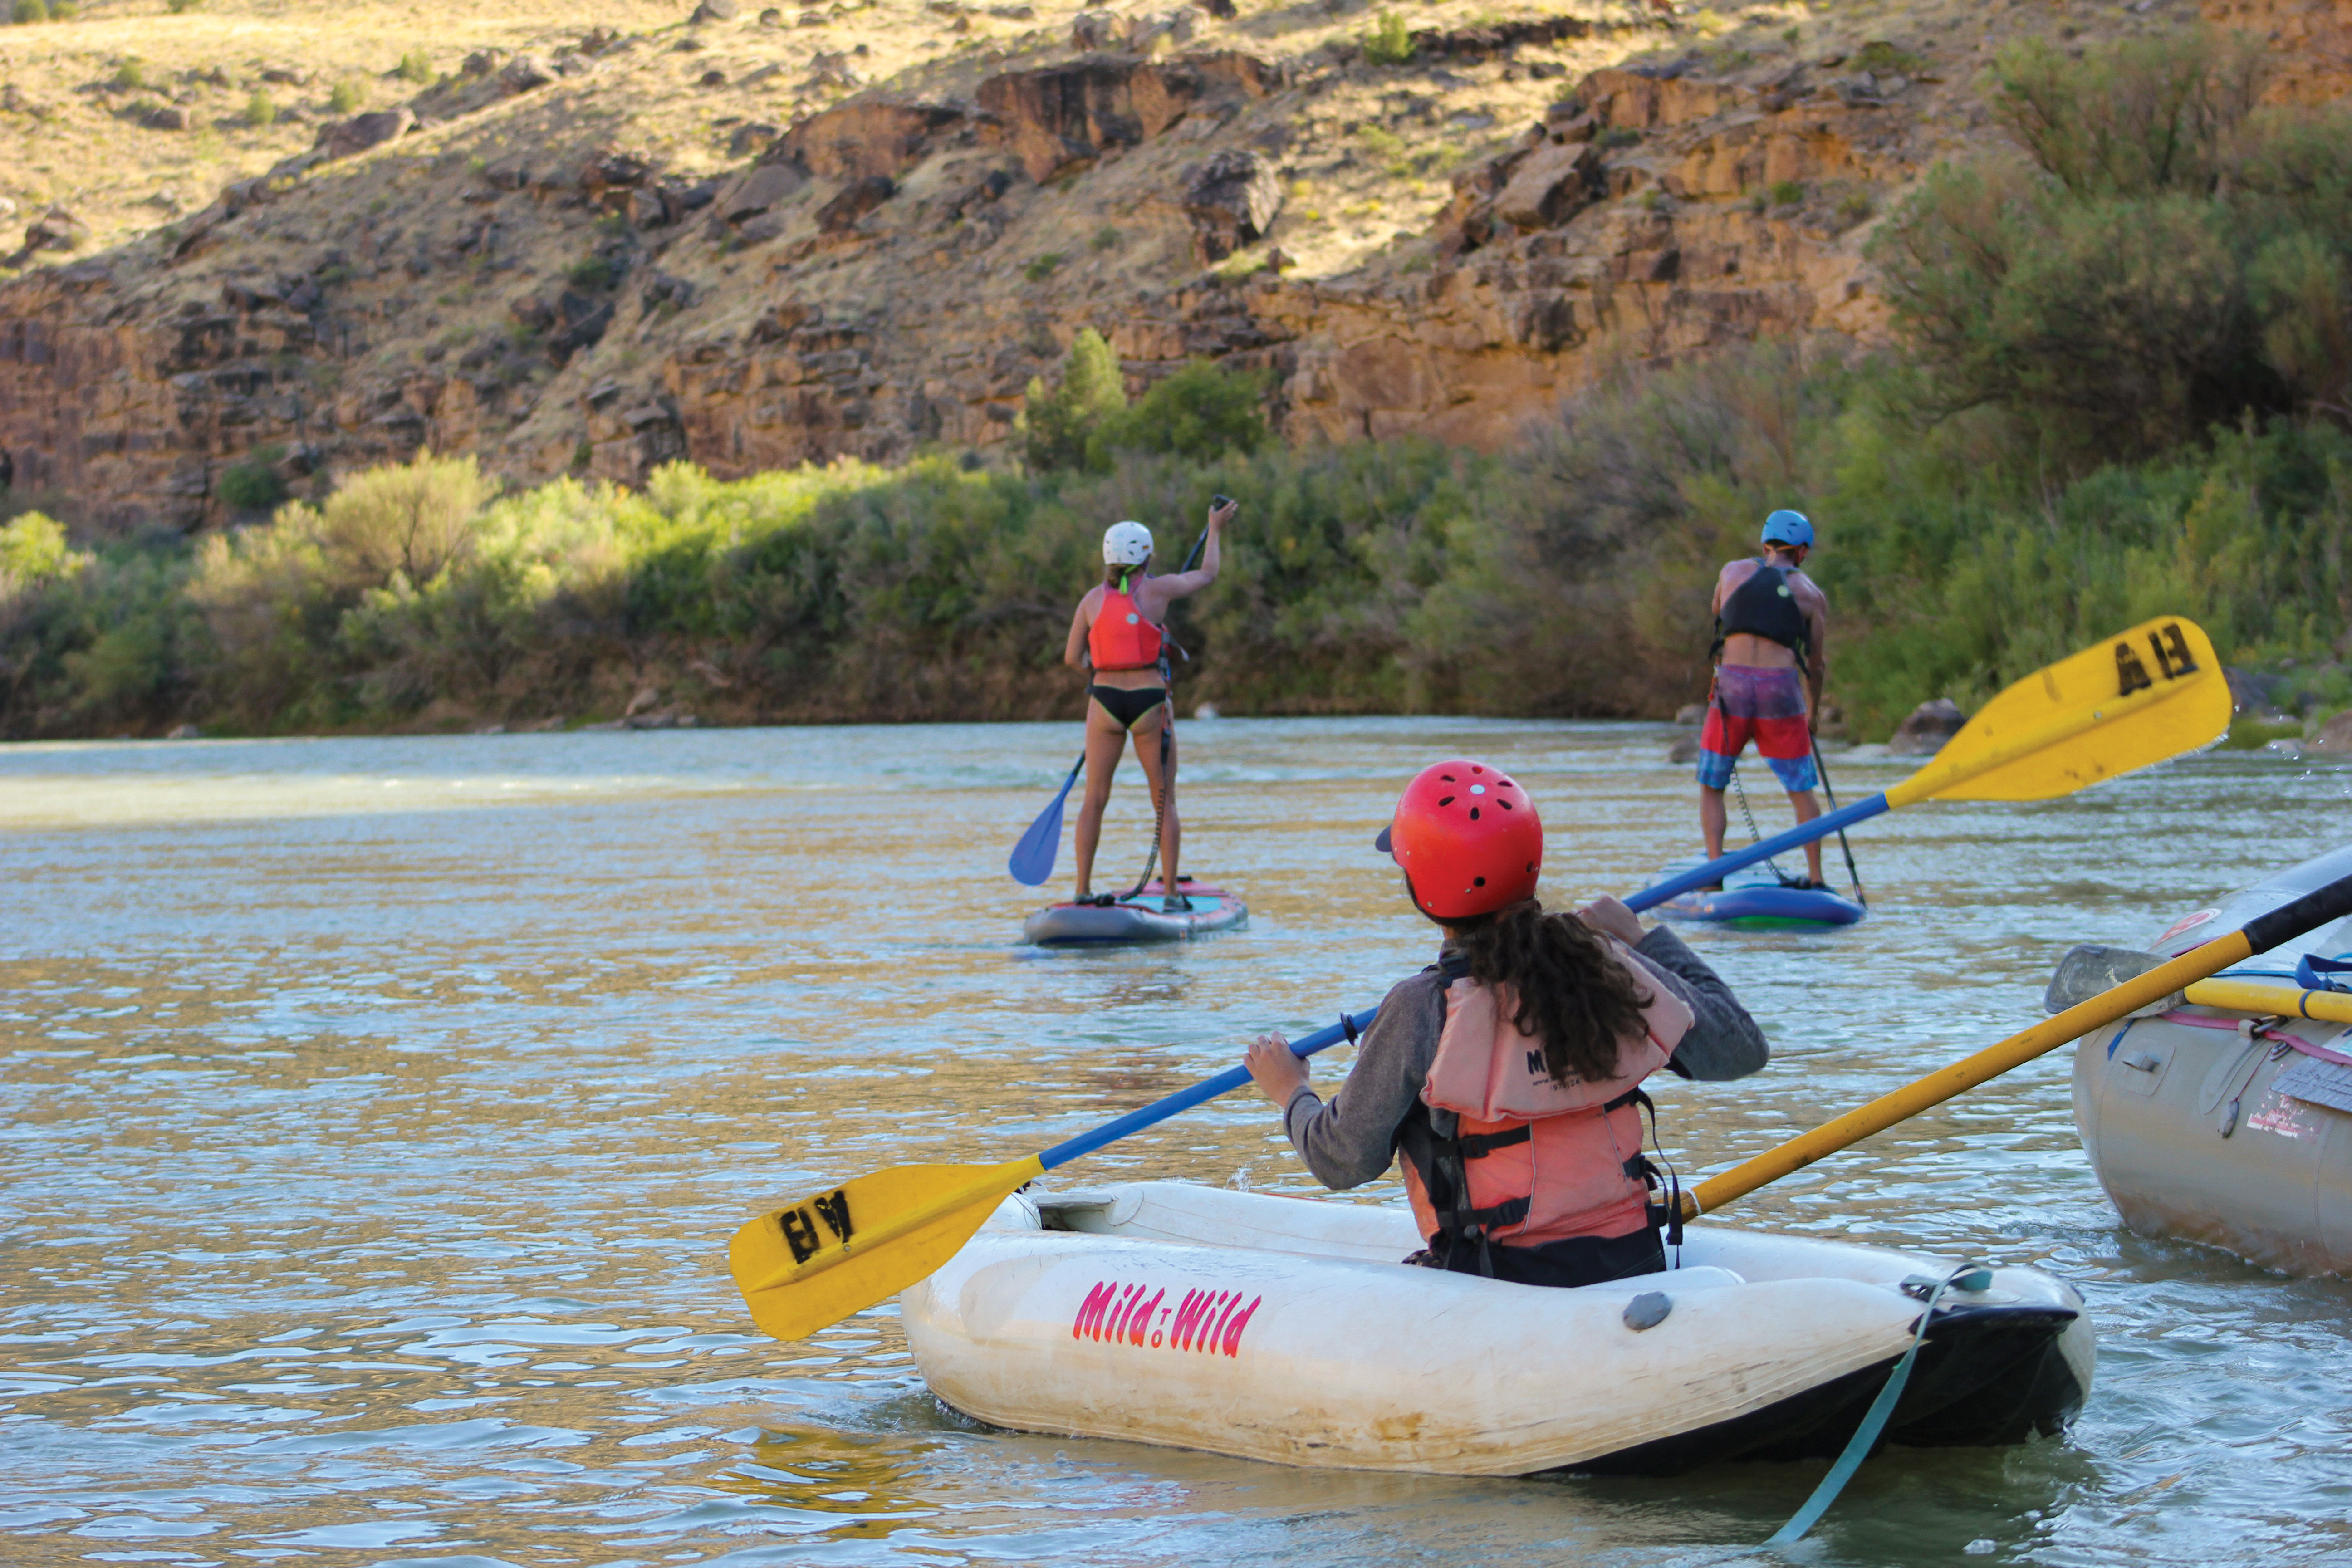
[[1120, 631], [1507, 1075]]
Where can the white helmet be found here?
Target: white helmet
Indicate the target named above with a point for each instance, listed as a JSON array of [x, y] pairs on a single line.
[[1127, 544]]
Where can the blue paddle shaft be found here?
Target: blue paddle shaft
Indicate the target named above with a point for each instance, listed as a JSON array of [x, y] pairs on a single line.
[[1648, 897], [1185, 1100], [1804, 833]]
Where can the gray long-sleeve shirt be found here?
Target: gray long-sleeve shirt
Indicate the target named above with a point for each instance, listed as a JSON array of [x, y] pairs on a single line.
[[1351, 1140]]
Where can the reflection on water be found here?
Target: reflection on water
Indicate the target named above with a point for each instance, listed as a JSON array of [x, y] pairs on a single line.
[[378, 1110]]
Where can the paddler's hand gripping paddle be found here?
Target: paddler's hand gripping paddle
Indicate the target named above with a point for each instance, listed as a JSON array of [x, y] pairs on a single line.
[[2153, 692]]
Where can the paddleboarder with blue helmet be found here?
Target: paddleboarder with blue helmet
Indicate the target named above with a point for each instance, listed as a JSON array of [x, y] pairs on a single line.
[[1772, 631]]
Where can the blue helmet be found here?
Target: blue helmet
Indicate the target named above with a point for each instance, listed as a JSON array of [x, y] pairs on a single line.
[[1788, 528]]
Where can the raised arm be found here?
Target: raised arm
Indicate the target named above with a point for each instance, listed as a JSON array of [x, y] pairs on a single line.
[[1179, 585]]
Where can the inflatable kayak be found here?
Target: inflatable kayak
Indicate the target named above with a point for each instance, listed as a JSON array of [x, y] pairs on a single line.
[[1143, 917], [1287, 1330], [2224, 1114], [1754, 896]]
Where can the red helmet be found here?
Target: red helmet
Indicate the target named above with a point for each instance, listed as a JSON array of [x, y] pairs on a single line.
[[1467, 837]]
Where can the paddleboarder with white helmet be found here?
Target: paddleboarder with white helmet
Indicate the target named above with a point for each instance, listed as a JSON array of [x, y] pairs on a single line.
[[1119, 633], [1772, 631]]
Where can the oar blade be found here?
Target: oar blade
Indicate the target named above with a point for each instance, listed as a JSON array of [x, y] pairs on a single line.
[[1032, 858], [1032, 861], [809, 1263], [2187, 705]]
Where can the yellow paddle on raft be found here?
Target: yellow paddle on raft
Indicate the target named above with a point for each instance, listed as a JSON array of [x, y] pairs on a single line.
[[2148, 694], [2188, 973]]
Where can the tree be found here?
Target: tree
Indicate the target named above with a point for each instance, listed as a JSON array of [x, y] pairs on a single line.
[[1059, 425]]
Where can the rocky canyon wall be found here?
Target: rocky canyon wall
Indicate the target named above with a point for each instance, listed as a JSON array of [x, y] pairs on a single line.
[[498, 268]]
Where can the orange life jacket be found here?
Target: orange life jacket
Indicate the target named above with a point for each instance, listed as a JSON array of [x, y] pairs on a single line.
[[1121, 638], [1535, 1160]]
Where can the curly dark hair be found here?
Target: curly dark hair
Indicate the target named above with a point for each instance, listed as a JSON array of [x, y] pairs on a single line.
[[1573, 993]]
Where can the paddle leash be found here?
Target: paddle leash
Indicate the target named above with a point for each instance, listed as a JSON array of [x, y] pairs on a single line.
[[1754, 834], [2144, 696]]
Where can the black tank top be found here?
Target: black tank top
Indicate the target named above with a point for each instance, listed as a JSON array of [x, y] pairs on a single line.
[[1766, 606]]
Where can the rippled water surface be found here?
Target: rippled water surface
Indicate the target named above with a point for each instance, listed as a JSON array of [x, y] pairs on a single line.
[[377, 1112]]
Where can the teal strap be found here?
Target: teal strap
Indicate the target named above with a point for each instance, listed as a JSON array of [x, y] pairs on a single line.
[[1873, 1423]]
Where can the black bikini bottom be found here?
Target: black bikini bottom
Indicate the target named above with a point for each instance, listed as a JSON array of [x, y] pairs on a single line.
[[1128, 707]]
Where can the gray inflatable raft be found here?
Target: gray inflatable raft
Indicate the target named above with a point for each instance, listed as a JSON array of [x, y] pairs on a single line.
[[2216, 1124], [1145, 917]]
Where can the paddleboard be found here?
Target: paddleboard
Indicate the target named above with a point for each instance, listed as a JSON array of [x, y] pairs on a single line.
[[1754, 897], [1143, 917]]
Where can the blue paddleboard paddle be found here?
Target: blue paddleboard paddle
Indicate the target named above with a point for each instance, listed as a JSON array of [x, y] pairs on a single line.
[[1032, 858]]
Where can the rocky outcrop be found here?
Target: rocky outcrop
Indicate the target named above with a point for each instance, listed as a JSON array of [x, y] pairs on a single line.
[[1067, 116], [871, 137], [1926, 728], [1232, 203], [929, 205], [344, 138], [890, 271]]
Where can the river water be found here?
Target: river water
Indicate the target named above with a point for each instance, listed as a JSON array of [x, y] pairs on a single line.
[[377, 1112]]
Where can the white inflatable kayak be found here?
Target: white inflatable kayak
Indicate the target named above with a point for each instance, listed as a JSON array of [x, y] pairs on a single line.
[[1288, 1330], [2225, 1115]]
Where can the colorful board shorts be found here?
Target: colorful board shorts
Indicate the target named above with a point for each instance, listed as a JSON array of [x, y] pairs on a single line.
[[1767, 706]]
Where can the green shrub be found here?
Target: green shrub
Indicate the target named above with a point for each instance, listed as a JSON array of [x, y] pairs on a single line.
[[1616, 136], [1787, 192], [32, 549], [1043, 267], [2164, 261], [346, 97], [1057, 426], [594, 272], [1883, 59], [414, 65], [1201, 412], [64, 10], [1390, 43], [2248, 733], [180, 7], [250, 486], [259, 110], [28, 11], [129, 77], [1105, 238]]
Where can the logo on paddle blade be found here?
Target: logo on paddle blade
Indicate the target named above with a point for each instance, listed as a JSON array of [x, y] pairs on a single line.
[[2173, 659], [1203, 1321], [799, 1224]]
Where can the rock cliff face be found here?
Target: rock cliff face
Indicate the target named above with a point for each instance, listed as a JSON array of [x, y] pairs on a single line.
[[518, 279]]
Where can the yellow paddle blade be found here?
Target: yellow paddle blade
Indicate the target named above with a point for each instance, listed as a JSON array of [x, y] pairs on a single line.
[[809, 1263], [2136, 698]]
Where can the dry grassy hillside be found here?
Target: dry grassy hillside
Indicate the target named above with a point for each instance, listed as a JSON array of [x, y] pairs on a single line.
[[594, 242]]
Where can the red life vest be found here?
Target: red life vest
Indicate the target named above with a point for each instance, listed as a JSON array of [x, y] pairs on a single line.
[[1121, 638], [1540, 1160]]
